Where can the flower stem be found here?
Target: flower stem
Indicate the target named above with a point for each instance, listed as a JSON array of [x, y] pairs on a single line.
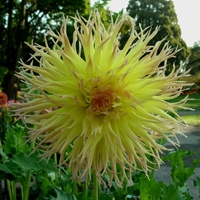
[[96, 187], [85, 191], [56, 162], [10, 190], [26, 186], [75, 188], [26, 182], [13, 186]]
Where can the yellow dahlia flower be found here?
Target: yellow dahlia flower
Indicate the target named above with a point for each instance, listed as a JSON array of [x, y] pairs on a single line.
[[109, 106]]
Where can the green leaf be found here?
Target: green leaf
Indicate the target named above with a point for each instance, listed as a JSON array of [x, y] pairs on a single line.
[[9, 170], [62, 195], [15, 140], [197, 184], [44, 183], [32, 162], [3, 156], [180, 172], [173, 192], [150, 189], [105, 196], [4, 170], [65, 182]]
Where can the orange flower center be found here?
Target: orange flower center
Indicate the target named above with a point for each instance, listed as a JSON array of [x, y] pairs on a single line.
[[102, 100]]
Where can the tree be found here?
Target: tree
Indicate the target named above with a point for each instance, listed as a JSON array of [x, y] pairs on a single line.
[[26, 20], [105, 13], [160, 13], [194, 59]]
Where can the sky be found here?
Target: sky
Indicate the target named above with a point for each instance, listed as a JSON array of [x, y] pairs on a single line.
[[188, 17]]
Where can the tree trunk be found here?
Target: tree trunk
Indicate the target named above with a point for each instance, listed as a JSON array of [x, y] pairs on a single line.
[[14, 51]]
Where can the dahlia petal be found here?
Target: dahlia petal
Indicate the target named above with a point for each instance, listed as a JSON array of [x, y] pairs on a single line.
[[102, 108]]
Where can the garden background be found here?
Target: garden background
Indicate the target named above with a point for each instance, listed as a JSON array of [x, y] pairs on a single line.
[[27, 21]]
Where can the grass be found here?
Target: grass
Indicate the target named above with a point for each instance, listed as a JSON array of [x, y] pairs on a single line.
[[193, 102], [193, 120]]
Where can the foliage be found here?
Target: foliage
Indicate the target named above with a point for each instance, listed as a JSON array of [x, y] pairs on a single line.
[[180, 172], [15, 141], [194, 59], [5, 119], [41, 180], [193, 79], [28, 20], [197, 184], [196, 79], [3, 72], [150, 13], [105, 13]]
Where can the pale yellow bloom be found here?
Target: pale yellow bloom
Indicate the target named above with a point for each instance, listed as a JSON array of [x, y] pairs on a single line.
[[109, 106]]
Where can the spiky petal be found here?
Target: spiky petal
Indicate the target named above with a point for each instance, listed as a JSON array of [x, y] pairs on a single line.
[[109, 106]]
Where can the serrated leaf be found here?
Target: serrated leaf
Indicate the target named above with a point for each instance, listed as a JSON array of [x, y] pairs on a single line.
[[173, 192], [180, 173], [45, 185], [105, 196], [4, 170], [186, 193], [32, 162], [62, 195], [197, 184], [3, 155], [8, 170], [150, 189], [15, 140]]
